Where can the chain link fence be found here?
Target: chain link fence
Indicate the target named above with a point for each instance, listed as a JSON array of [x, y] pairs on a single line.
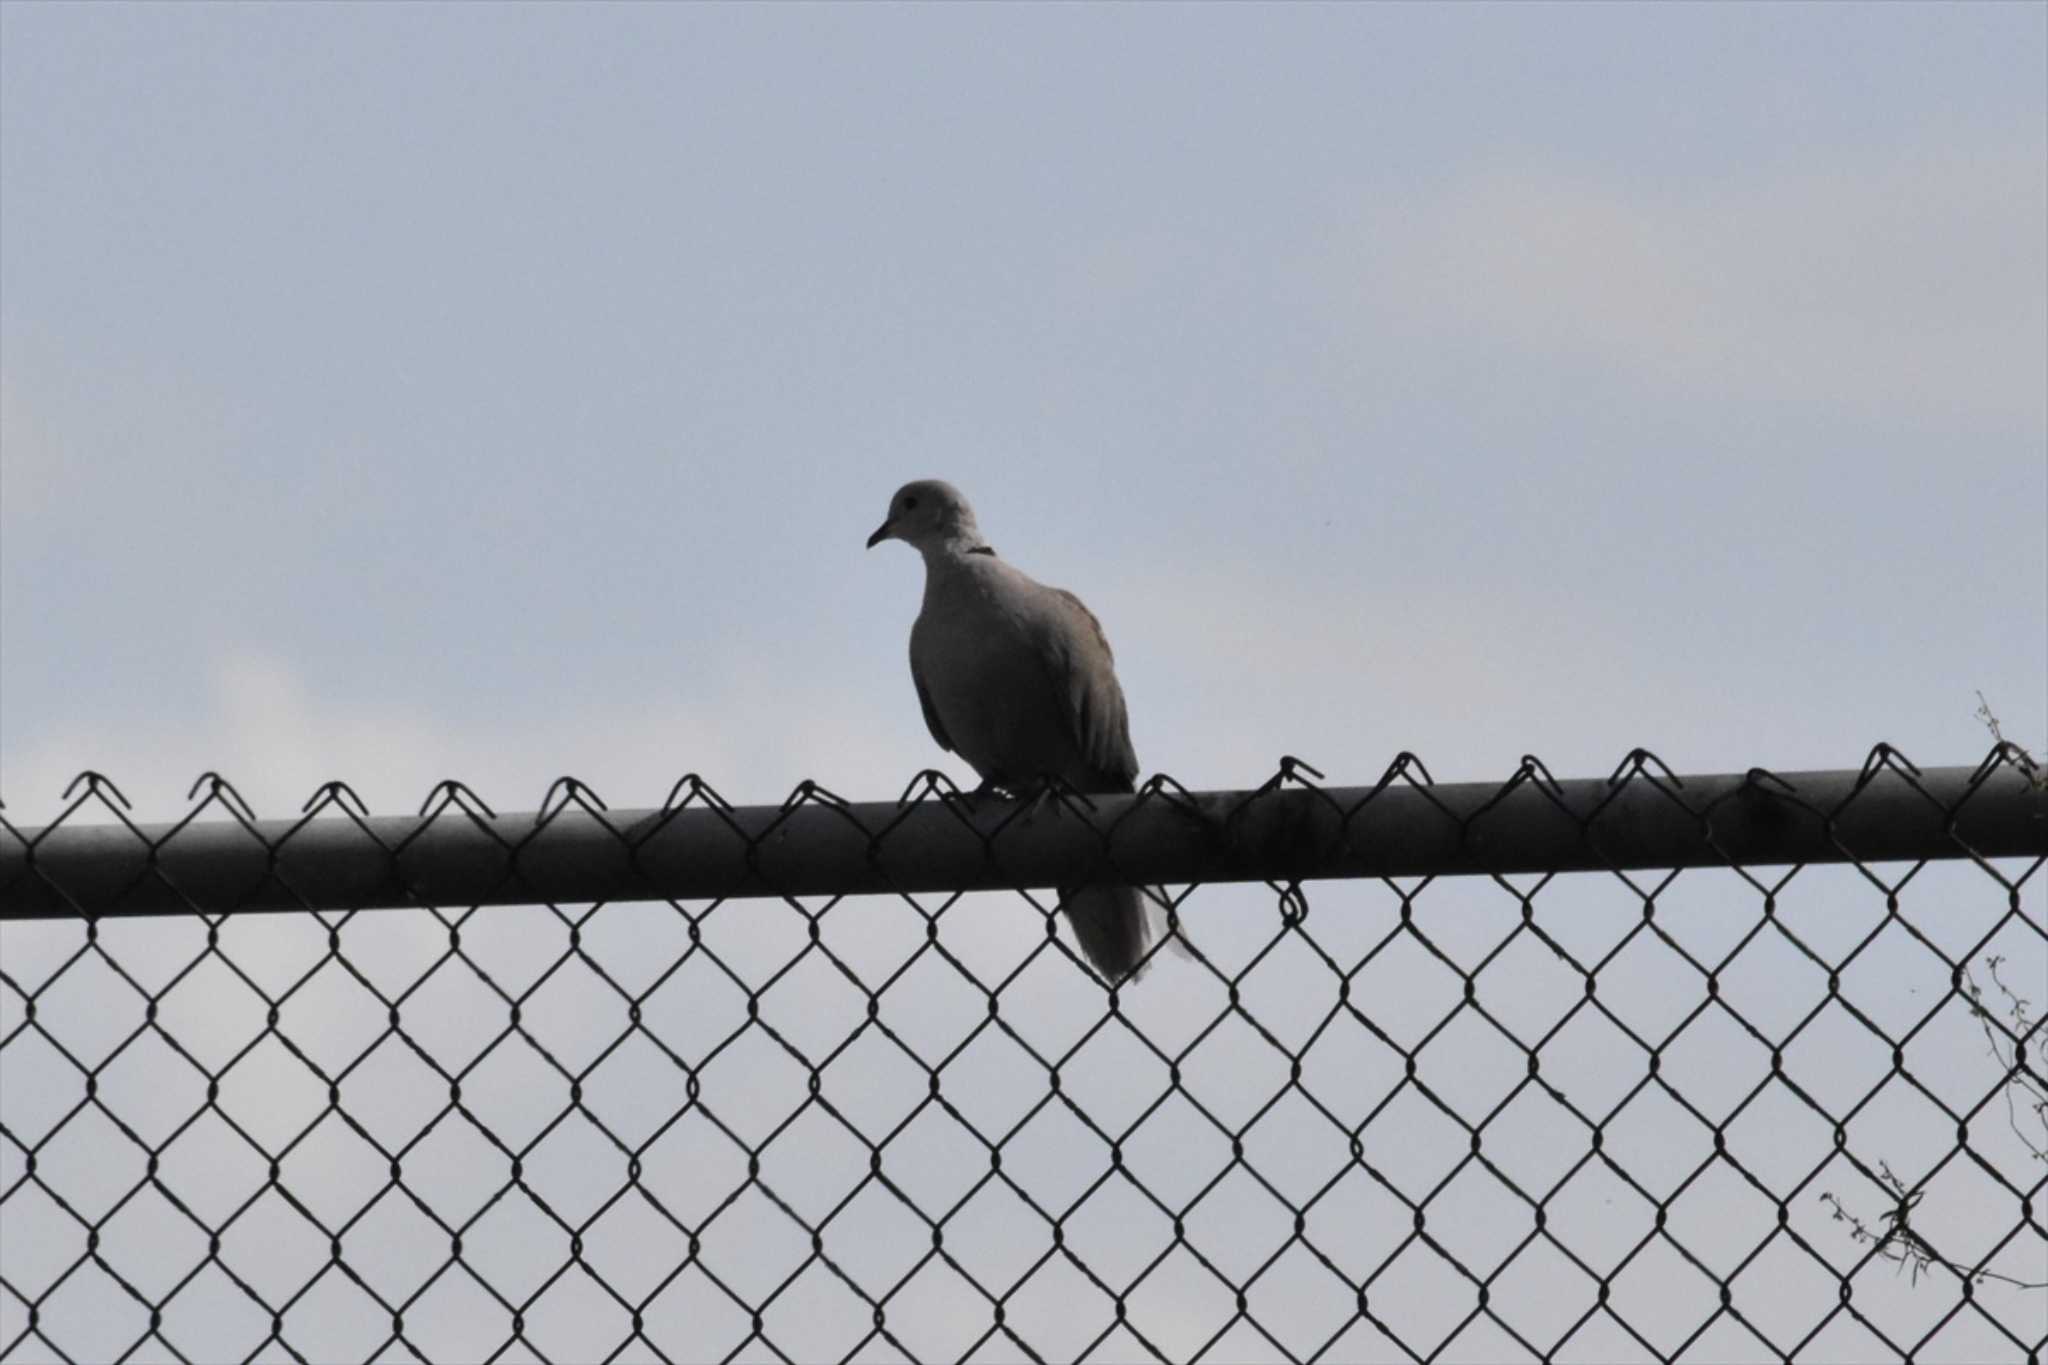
[[1702, 1068]]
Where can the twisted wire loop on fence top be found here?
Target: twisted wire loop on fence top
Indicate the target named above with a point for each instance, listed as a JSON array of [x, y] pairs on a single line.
[[1412, 1220]]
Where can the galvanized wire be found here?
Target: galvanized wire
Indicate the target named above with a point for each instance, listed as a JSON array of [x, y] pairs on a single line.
[[599, 1135]]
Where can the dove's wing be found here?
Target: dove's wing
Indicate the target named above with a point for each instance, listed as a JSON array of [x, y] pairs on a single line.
[[1083, 669]]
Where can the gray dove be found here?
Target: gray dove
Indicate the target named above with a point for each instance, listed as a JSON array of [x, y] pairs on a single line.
[[1018, 679]]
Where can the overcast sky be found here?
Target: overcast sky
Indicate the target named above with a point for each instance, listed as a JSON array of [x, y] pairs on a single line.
[[402, 393], [397, 393]]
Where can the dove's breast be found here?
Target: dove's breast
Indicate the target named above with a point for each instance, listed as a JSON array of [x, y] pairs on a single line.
[[992, 689]]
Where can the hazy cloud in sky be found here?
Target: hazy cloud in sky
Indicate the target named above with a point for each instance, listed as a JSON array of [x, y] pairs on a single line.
[[1904, 287]]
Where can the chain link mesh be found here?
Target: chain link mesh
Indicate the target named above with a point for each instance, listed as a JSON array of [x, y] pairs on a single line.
[[1720, 1114]]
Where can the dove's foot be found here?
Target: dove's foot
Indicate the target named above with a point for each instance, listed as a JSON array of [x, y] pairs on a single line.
[[1041, 797], [989, 790]]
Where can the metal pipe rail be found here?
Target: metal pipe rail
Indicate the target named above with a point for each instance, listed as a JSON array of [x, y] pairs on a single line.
[[457, 853]]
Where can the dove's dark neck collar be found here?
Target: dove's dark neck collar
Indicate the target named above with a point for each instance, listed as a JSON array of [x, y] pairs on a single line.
[[966, 540]]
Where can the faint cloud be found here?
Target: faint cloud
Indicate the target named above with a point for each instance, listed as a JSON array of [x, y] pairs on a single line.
[[271, 731], [1913, 285]]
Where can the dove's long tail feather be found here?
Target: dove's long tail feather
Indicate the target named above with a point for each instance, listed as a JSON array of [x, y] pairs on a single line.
[[1110, 922]]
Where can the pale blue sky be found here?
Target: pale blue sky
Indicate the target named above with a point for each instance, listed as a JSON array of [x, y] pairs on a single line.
[[508, 391]]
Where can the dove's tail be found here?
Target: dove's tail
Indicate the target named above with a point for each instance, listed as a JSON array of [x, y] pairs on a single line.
[[1110, 922]]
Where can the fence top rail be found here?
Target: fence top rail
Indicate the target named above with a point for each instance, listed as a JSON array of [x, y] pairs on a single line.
[[457, 851]]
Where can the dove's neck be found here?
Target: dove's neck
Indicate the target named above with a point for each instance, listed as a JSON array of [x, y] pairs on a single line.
[[957, 549], [956, 566]]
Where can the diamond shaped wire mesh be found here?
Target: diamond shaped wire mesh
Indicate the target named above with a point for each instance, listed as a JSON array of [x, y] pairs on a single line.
[[1712, 1113]]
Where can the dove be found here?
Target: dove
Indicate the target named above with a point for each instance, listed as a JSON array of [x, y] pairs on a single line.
[[1017, 679]]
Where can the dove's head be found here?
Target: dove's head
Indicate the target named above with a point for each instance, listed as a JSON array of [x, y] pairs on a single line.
[[928, 515]]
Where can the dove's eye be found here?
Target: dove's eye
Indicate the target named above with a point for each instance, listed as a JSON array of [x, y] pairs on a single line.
[[909, 504]]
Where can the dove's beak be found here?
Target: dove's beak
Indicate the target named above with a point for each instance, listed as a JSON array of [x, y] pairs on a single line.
[[881, 534]]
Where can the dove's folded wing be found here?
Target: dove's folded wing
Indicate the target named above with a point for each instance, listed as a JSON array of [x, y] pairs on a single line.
[[1083, 669]]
